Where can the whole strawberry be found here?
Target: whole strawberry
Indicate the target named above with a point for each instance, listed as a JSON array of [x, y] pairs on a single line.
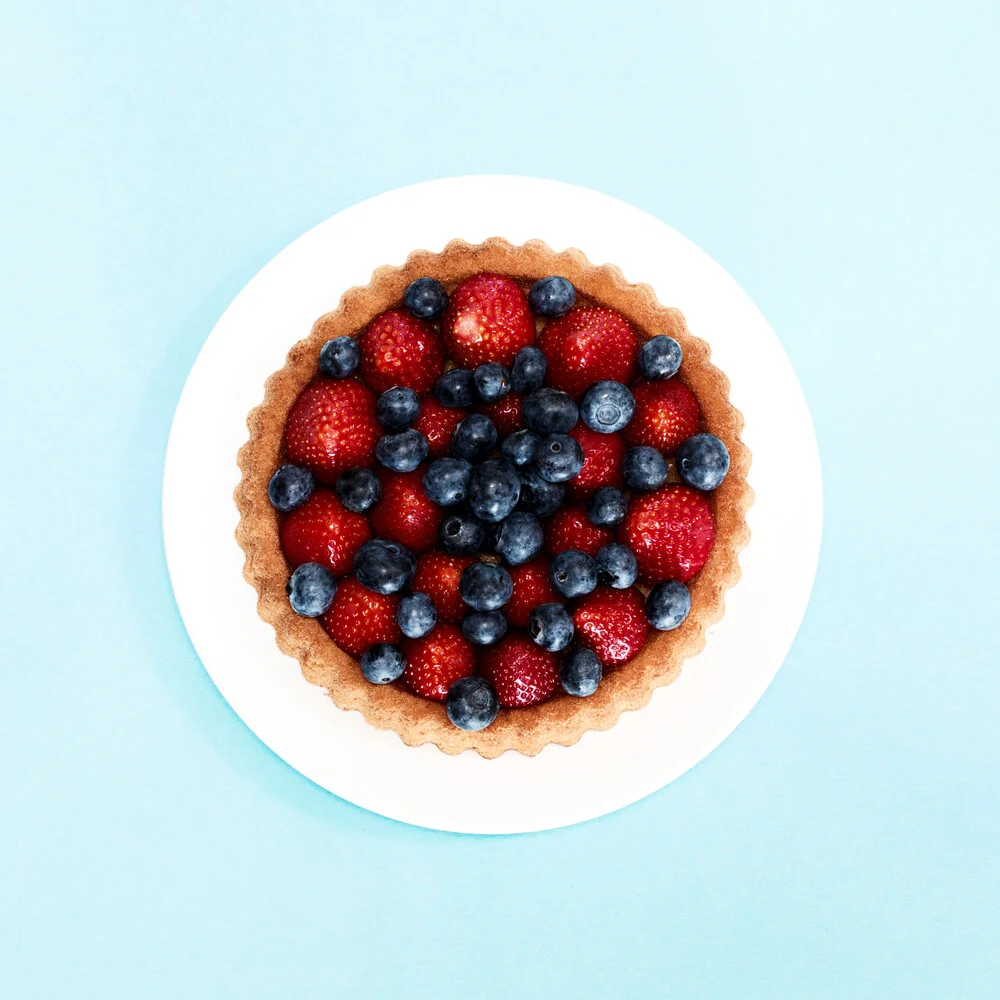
[[399, 349], [405, 514], [671, 533], [358, 618], [436, 661], [532, 588], [332, 428], [587, 345], [487, 319], [323, 530], [505, 413], [603, 455], [612, 623], [570, 528], [521, 673], [437, 576], [437, 423], [666, 413]]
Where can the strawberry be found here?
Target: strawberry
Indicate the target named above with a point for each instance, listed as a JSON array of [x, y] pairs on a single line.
[[666, 413], [487, 319], [603, 455], [359, 618], [531, 588], [570, 528], [331, 428], [521, 673], [671, 533], [505, 413], [436, 661], [437, 423], [437, 576], [586, 345], [323, 530], [399, 349], [612, 623], [405, 514]]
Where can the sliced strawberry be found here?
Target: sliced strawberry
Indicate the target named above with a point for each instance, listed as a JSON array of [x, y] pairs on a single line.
[[521, 673], [359, 618], [603, 455], [570, 528], [487, 319], [436, 661], [437, 576], [532, 587], [323, 530], [612, 623], [399, 349], [666, 413], [405, 514], [437, 423]]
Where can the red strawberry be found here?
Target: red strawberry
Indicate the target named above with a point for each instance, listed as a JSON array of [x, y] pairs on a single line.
[[505, 413], [666, 413], [359, 618], [587, 345], [436, 661], [603, 455], [570, 528], [487, 319], [331, 428], [399, 349], [437, 423], [323, 530], [405, 514], [531, 588], [671, 533], [437, 576], [612, 623], [522, 673]]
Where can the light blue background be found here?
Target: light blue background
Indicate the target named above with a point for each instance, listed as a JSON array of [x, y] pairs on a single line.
[[840, 160]]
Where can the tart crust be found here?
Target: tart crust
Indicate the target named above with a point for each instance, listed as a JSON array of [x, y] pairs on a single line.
[[563, 719]]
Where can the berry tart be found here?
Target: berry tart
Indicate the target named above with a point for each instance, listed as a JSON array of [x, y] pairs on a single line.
[[495, 498]]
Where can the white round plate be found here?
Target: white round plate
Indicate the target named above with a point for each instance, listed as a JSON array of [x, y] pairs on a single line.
[[605, 771]]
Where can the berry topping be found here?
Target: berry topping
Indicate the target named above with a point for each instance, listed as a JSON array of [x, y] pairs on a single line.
[[358, 489], [401, 452], [456, 388], [702, 461], [486, 586], [553, 296], [603, 455], [573, 573], [519, 447], [487, 319], [399, 349], [438, 576], [551, 627], [311, 589], [570, 528], [339, 357], [494, 488], [660, 357], [527, 373], [446, 481], [492, 381], [580, 673], [607, 407], [612, 623], [616, 566], [324, 531], [425, 298], [607, 507], [474, 438], [483, 628], [558, 458], [290, 487], [406, 514], [359, 618], [549, 411], [397, 408], [531, 587], [519, 538], [521, 673], [462, 533], [383, 663], [644, 468], [436, 661], [666, 413], [416, 615], [472, 704], [538, 496], [667, 605], [437, 423], [383, 566]]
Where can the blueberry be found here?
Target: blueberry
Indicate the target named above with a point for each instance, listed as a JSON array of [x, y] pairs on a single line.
[[416, 615], [483, 628], [358, 489], [551, 627], [702, 461], [383, 663], [542, 498], [339, 357], [461, 534], [446, 481], [491, 530], [573, 573], [550, 411], [660, 357], [528, 371], [425, 298], [485, 586], [580, 673], [311, 590], [383, 566], [667, 605], [397, 408], [401, 452], [616, 566], [474, 438], [494, 488], [607, 407], [552, 296], [455, 388], [492, 381], [472, 703], [644, 468], [607, 507], [519, 447], [290, 487], [519, 538], [558, 458]]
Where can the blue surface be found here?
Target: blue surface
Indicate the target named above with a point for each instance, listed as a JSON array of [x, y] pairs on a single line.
[[841, 162]]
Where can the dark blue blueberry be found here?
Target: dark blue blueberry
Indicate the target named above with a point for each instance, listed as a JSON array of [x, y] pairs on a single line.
[[401, 452], [528, 371], [607, 407], [494, 488], [290, 487], [474, 438], [542, 498], [472, 703], [519, 447], [339, 357], [311, 590], [461, 534], [397, 408], [483, 628], [485, 586], [491, 531], [660, 357], [580, 673], [425, 298], [383, 663], [416, 615], [644, 468], [667, 605], [607, 507], [573, 573], [552, 296], [446, 481], [455, 388], [702, 461], [383, 566], [558, 457], [550, 411], [358, 489], [616, 566], [551, 626], [519, 538], [492, 381]]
